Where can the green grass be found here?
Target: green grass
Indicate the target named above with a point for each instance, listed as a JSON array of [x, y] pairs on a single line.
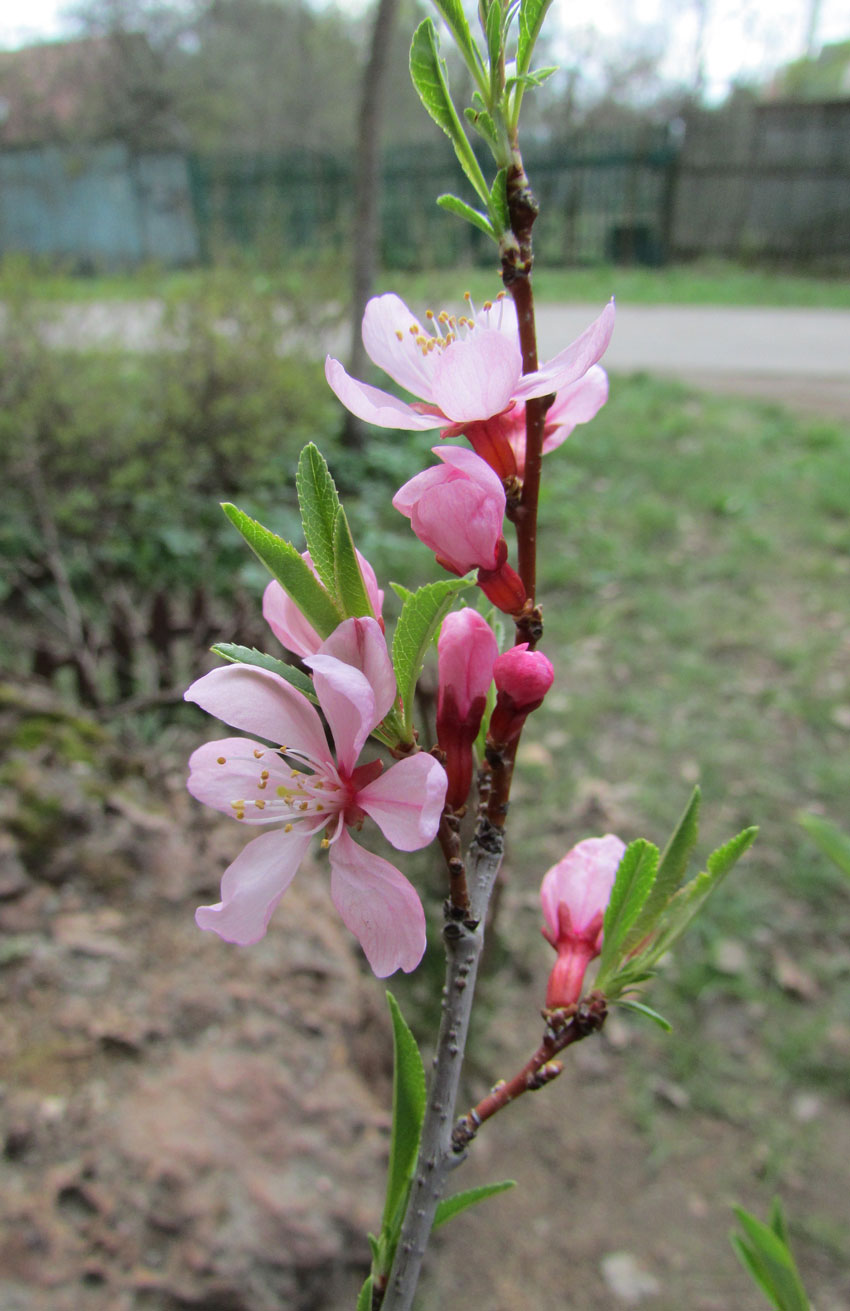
[[706, 282]]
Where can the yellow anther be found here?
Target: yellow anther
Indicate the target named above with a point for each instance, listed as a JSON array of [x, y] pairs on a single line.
[[222, 760], [264, 774], [501, 295], [295, 773], [467, 296], [399, 334], [263, 783], [325, 843], [261, 805], [429, 314], [287, 828], [320, 806], [238, 805], [304, 805], [488, 305], [318, 785], [258, 755]]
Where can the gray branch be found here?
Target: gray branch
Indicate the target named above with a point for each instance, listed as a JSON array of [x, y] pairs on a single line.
[[436, 1157]]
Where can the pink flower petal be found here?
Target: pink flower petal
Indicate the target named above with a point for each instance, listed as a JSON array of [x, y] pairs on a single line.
[[373, 405], [572, 363], [379, 906], [360, 642], [478, 470], [461, 524], [578, 403], [264, 704], [230, 770], [348, 701], [406, 802], [392, 346], [287, 622], [582, 880], [475, 378], [253, 885]]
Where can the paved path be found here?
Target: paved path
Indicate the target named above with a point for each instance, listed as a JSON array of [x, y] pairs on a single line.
[[797, 356]]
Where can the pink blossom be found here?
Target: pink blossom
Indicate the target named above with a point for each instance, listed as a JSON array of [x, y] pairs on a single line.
[[574, 895], [457, 510], [462, 371], [501, 440], [466, 649], [301, 783], [287, 622], [522, 678]]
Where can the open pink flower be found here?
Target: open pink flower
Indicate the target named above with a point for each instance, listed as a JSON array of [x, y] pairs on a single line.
[[457, 509], [466, 650], [575, 895], [300, 782], [465, 370], [287, 622]]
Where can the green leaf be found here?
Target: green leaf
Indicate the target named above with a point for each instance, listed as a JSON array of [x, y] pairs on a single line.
[[455, 19], [294, 574], [422, 613], [350, 589], [634, 879], [493, 33], [319, 503], [452, 1206], [455, 205], [768, 1259], [483, 123], [832, 842], [776, 1220], [671, 870], [639, 1007], [692, 897], [249, 655], [498, 207], [533, 79], [408, 1113], [430, 78], [364, 1300], [531, 15]]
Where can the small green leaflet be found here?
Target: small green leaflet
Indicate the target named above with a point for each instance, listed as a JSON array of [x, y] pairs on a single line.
[[454, 205], [452, 1206], [493, 33], [455, 20], [249, 655], [422, 613], [429, 75], [294, 574], [764, 1253], [635, 877], [531, 15], [832, 842], [319, 504], [349, 587], [364, 1300], [640, 1008], [408, 1113], [671, 870], [498, 208]]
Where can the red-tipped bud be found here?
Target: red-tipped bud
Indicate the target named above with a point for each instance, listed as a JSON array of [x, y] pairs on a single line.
[[574, 895], [503, 586], [466, 651], [523, 678]]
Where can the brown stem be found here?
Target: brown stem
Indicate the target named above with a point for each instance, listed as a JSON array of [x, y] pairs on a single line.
[[563, 1028], [448, 836]]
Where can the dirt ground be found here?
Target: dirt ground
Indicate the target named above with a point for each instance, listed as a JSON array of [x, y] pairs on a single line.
[[188, 1126]]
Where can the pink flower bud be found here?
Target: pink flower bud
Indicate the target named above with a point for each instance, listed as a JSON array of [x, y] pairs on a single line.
[[574, 895], [457, 509], [466, 650], [523, 678]]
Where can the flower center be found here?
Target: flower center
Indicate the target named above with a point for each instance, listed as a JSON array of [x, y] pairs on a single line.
[[446, 329]]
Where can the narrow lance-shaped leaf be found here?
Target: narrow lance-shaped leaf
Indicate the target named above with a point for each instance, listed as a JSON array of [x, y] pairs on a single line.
[[249, 655], [634, 879], [294, 574], [455, 19], [428, 72], [531, 15], [768, 1259], [640, 1008], [452, 1206], [364, 1300], [498, 207], [832, 842], [319, 504], [671, 870], [350, 589], [455, 205], [494, 49], [421, 615], [408, 1113]]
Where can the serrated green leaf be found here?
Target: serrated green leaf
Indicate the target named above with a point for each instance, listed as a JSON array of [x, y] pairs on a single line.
[[452, 1206], [531, 16], [724, 858], [635, 877], [319, 503], [364, 1299], [629, 1004], [672, 868], [249, 655], [294, 574], [408, 1114], [455, 205], [832, 841], [533, 79], [429, 75], [421, 615], [401, 591], [498, 207], [493, 33], [350, 589], [455, 19], [768, 1259], [483, 124]]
